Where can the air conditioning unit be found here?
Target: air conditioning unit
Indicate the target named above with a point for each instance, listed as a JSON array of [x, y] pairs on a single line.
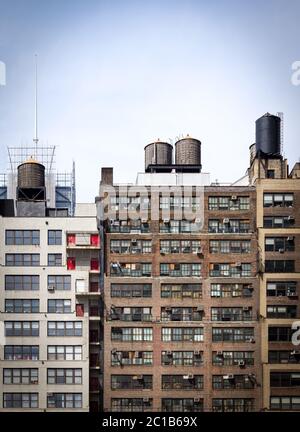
[[168, 309], [225, 220], [146, 399], [137, 377], [197, 353], [51, 287], [200, 308], [188, 377], [238, 264], [144, 220], [219, 354], [197, 220], [114, 351], [169, 353], [134, 241], [290, 239], [281, 250], [234, 198], [228, 377], [252, 340], [246, 308], [166, 221], [241, 363], [196, 400], [291, 218]]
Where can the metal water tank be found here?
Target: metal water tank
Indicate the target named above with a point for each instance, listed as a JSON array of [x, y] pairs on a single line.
[[188, 151], [158, 153], [268, 140], [31, 175]]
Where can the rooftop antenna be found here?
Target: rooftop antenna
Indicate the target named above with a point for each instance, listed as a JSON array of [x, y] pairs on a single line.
[[35, 139]]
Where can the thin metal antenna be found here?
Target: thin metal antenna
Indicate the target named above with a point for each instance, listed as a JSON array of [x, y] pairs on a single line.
[[35, 139]]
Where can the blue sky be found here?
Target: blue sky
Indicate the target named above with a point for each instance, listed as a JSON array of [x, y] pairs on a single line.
[[115, 75]]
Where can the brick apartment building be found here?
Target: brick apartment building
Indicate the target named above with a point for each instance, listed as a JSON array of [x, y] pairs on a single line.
[[170, 294]]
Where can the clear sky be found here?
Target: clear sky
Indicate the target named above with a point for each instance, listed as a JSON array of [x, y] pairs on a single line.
[[116, 74]]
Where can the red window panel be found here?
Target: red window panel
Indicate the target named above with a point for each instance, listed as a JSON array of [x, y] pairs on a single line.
[[94, 264], [71, 263], [94, 239], [80, 310], [71, 239]]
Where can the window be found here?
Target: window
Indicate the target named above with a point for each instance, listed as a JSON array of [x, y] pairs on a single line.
[[131, 290], [22, 237], [21, 328], [54, 260], [231, 314], [131, 334], [182, 382], [279, 266], [176, 227], [270, 173], [180, 334], [22, 306], [130, 269], [20, 376], [282, 311], [278, 221], [231, 290], [180, 269], [131, 404], [285, 403], [64, 376], [227, 382], [59, 283], [228, 203], [132, 358], [22, 260], [131, 246], [233, 358], [280, 334], [180, 246], [233, 405], [282, 289], [22, 283], [59, 306], [279, 244], [238, 334], [230, 270], [278, 200], [20, 400], [54, 237], [181, 405], [94, 264], [131, 313], [131, 382], [282, 357], [64, 328], [21, 352], [64, 400], [226, 246], [182, 314], [284, 379], [182, 358], [64, 352], [181, 291], [228, 225]]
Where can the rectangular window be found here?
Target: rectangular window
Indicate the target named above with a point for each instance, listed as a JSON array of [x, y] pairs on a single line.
[[285, 403], [278, 200], [71, 263], [238, 334], [131, 334], [22, 283], [22, 306], [233, 405], [182, 334], [20, 400], [64, 328], [64, 376], [21, 328], [54, 237], [182, 358], [279, 266], [21, 352], [20, 376], [131, 404], [182, 404], [131, 382], [55, 260], [181, 291], [59, 306], [64, 352], [22, 237], [22, 260], [59, 283], [131, 358], [131, 290], [64, 400]]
